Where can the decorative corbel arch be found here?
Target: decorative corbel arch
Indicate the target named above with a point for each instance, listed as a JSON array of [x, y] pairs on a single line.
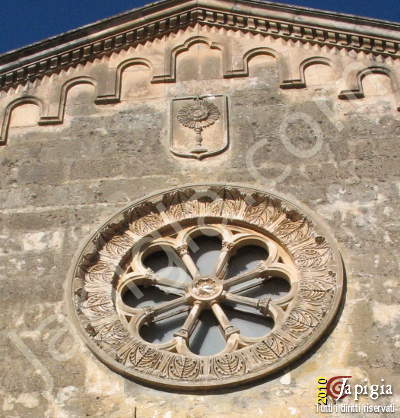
[[356, 90], [6, 116], [55, 110], [301, 82], [171, 55], [52, 109], [114, 94], [244, 70]]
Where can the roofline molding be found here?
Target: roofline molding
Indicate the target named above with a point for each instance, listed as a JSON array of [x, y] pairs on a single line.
[[137, 26]]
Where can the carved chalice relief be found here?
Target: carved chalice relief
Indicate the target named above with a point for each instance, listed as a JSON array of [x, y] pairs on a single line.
[[198, 116], [268, 283]]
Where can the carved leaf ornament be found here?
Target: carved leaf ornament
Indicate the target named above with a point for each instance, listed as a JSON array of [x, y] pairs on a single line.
[[111, 265]]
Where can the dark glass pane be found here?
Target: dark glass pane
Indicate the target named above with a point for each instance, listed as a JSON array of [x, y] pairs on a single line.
[[246, 259], [167, 265], [274, 287], [162, 331], [148, 296], [205, 252], [207, 338], [250, 324]]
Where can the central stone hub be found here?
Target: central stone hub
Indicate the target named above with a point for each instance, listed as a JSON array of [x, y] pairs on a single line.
[[206, 288]]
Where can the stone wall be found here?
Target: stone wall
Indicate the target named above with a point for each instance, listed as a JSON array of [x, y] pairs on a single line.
[[59, 183]]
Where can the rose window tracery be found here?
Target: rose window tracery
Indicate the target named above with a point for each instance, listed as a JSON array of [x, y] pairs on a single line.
[[206, 286], [193, 284]]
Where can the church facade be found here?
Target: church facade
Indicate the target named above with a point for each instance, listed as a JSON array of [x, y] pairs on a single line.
[[199, 214]]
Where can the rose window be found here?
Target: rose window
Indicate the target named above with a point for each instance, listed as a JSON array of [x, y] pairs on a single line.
[[206, 286], [243, 279]]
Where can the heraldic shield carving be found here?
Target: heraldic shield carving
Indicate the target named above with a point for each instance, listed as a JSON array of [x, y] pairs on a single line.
[[199, 126], [144, 319]]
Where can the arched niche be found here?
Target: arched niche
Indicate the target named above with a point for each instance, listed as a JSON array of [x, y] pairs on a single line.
[[318, 74], [79, 98], [199, 62], [377, 84], [135, 80], [20, 113], [262, 65], [24, 115]]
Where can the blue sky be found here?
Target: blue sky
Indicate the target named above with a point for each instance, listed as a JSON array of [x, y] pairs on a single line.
[[25, 22]]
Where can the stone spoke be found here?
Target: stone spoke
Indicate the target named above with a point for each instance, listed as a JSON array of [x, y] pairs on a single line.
[[188, 261], [261, 304], [227, 327], [133, 280], [166, 315], [151, 311], [166, 306], [243, 277], [247, 286], [188, 327], [172, 286], [222, 263], [155, 279]]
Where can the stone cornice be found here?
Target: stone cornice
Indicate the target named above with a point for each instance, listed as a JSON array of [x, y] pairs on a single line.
[[155, 20]]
